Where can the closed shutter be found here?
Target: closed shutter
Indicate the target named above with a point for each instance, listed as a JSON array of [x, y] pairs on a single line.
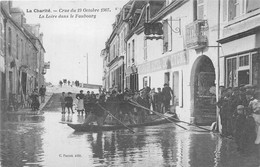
[[170, 34], [165, 36]]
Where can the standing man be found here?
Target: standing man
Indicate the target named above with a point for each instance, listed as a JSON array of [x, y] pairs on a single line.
[[167, 93], [42, 92], [69, 102], [62, 102]]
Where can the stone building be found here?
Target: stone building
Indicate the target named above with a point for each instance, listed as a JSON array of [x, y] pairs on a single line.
[[115, 52], [23, 54]]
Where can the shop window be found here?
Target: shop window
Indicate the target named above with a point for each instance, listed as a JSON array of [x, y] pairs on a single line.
[[231, 71], [243, 60], [255, 68], [243, 77]]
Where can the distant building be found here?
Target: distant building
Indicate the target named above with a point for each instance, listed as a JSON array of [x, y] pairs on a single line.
[[115, 52]]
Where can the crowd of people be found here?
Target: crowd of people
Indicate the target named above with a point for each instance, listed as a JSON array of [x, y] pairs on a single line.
[[240, 114], [119, 104]]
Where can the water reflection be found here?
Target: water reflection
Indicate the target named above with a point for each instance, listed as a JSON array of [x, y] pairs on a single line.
[[46, 142]]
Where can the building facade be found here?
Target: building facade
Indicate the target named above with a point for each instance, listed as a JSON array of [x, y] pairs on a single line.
[[23, 56], [240, 62], [204, 44], [115, 52]]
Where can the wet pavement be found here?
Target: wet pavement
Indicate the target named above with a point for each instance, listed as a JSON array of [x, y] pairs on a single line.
[[40, 140]]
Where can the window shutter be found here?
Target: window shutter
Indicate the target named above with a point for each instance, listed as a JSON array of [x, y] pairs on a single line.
[[170, 34], [165, 36]]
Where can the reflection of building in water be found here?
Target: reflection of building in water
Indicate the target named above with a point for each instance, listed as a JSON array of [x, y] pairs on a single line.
[[26, 138]]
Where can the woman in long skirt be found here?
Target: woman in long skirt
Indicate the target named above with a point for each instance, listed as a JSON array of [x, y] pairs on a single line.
[[255, 106], [80, 105]]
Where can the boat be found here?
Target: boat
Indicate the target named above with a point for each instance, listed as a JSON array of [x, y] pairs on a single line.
[[95, 128]]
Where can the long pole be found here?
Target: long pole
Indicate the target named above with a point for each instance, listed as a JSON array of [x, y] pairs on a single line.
[[116, 118], [157, 113]]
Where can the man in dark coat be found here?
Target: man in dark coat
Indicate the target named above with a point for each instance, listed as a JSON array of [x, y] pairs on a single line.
[[167, 96]]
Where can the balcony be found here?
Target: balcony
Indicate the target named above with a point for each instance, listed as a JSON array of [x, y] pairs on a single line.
[[196, 34]]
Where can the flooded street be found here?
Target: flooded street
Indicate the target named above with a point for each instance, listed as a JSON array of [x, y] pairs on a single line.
[[43, 141]]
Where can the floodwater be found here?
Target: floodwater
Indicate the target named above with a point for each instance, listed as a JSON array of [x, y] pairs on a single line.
[[31, 141]]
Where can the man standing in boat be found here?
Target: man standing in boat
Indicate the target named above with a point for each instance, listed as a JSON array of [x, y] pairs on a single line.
[[97, 114], [142, 100]]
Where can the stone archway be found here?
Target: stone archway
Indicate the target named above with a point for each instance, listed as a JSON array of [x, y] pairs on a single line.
[[203, 110]]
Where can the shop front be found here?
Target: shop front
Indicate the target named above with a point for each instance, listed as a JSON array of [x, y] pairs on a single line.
[[241, 62]]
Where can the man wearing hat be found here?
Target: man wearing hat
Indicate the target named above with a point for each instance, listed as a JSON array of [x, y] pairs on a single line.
[[167, 96]]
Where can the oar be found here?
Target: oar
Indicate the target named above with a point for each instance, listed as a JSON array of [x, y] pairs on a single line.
[[173, 118], [115, 118], [159, 114]]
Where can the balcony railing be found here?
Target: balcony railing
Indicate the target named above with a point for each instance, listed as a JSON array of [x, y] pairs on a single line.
[[196, 34]]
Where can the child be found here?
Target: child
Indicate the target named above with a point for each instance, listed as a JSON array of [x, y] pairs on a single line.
[[239, 131], [62, 102], [69, 102]]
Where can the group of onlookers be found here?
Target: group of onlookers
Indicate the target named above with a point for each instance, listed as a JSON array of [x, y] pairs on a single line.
[[240, 114], [119, 104]]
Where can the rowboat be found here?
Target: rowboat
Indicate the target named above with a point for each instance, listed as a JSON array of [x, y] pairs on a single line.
[[96, 128]]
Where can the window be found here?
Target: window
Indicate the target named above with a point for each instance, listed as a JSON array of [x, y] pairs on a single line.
[[128, 54], [231, 72], [10, 41], [239, 7], [243, 69], [17, 46], [243, 60], [200, 9]]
